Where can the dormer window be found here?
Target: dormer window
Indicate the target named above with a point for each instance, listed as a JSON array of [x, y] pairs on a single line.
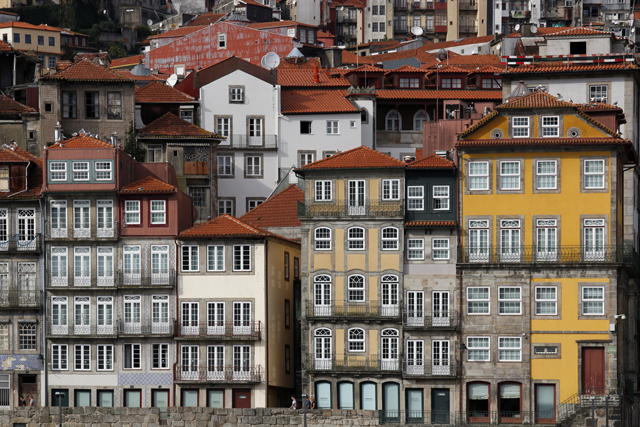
[[520, 127], [4, 178], [491, 83], [451, 83], [550, 126], [413, 83]]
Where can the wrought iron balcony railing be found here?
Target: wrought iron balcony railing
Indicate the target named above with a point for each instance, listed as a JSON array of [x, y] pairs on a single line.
[[354, 363], [344, 209], [20, 299], [435, 319], [82, 329], [70, 232], [215, 373], [355, 310], [151, 280], [227, 331], [145, 327], [244, 142], [19, 243], [418, 368], [92, 280], [468, 5]]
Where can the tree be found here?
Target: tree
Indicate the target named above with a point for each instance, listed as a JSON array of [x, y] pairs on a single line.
[[142, 32], [116, 51], [131, 145]]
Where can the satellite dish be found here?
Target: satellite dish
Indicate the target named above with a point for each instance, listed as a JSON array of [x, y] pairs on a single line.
[[173, 26], [172, 80], [498, 48], [416, 31], [517, 27], [341, 7], [161, 25], [534, 29], [149, 22], [271, 60]]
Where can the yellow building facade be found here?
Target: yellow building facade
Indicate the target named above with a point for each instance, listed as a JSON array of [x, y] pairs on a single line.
[[40, 40]]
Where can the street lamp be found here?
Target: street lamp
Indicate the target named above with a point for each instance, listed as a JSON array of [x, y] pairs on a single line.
[[60, 395]]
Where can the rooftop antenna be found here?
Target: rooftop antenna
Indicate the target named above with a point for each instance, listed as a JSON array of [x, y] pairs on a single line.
[[172, 80], [416, 31], [270, 61]]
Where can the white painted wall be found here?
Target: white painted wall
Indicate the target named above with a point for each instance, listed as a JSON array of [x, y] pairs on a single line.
[[73, 378], [561, 46]]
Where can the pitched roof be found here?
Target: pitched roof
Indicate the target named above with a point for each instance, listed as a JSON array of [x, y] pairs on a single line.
[[206, 19], [9, 106], [304, 78], [309, 64], [127, 62], [451, 69], [157, 92], [81, 141], [225, 226], [179, 32], [280, 210], [368, 69], [316, 101], [150, 78], [171, 126], [487, 69], [405, 69], [276, 24], [541, 141], [479, 124], [537, 99], [578, 31], [459, 42], [357, 158], [253, 3], [86, 71], [433, 161], [569, 67], [148, 185], [5, 47], [494, 95], [430, 224], [15, 154], [542, 31], [25, 25]]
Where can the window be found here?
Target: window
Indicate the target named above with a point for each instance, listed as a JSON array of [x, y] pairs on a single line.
[[287, 354], [305, 127], [550, 126], [415, 196], [158, 212], [509, 349], [225, 165], [390, 189], [132, 356], [223, 127], [451, 83], [215, 258], [253, 203], [81, 171], [58, 171], [520, 127], [103, 171], [4, 183], [546, 300], [374, 26], [198, 195], [390, 237], [546, 174], [28, 336], [303, 36], [114, 105], [477, 300], [4, 337], [509, 300], [82, 357], [160, 356], [92, 105], [69, 105], [509, 175], [16, 38], [593, 301], [190, 258], [356, 339], [27, 38], [225, 206], [440, 198], [478, 175], [478, 349], [382, 12], [374, 10], [332, 127], [392, 121], [241, 257], [306, 158], [59, 357], [409, 83], [323, 190], [594, 174], [415, 249], [355, 291], [52, 41], [105, 357], [491, 83], [287, 313], [599, 93], [253, 165], [132, 212], [222, 41], [578, 48], [48, 106], [322, 239], [186, 114], [440, 249], [236, 94], [419, 118], [355, 236]]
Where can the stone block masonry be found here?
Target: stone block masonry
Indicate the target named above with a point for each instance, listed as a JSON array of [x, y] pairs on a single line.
[[184, 417]]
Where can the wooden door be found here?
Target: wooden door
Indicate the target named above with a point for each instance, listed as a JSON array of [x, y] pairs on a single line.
[[241, 398], [593, 370]]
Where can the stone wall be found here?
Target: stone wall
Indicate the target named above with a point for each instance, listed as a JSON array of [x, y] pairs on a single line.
[[183, 417]]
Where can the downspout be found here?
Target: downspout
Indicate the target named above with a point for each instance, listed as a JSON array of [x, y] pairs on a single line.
[[175, 326], [266, 320], [460, 254], [44, 314]]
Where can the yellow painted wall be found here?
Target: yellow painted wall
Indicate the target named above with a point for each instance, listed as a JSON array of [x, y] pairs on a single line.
[[339, 342], [390, 262], [373, 289], [339, 288], [356, 262], [39, 48], [373, 249], [322, 261]]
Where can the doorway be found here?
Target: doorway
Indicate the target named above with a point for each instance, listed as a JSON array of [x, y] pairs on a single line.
[[545, 403], [415, 410], [593, 370], [160, 400], [28, 388], [440, 409], [241, 398]]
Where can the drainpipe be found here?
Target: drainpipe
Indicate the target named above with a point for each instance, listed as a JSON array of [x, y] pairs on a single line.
[[266, 320], [175, 325], [460, 253], [44, 312]]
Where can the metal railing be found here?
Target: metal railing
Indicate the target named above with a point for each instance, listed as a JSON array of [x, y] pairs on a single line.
[[363, 310], [20, 299], [91, 330], [424, 5], [468, 28], [354, 363], [435, 319], [343, 209], [214, 373], [240, 331], [430, 368], [468, 5], [161, 279], [20, 244], [91, 232], [265, 142], [92, 280], [145, 327]]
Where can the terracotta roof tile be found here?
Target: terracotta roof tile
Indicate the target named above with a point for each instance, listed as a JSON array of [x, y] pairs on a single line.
[[5, 47], [158, 93], [430, 224], [367, 68], [569, 67], [9, 106], [349, 58], [179, 32], [62, 64], [127, 62], [86, 71], [538, 99], [451, 69], [578, 31], [81, 141], [487, 69], [493, 95], [224, 226], [276, 24], [430, 47], [357, 158], [304, 78], [324, 34], [171, 126], [15, 154], [479, 123], [540, 141], [149, 78], [206, 19], [405, 69], [309, 63], [542, 31], [280, 210], [316, 101], [148, 185], [25, 25], [433, 161]]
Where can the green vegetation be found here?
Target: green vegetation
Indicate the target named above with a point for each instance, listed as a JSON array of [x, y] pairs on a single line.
[[131, 145]]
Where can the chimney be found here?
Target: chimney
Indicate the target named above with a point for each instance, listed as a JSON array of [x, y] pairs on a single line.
[[316, 76]]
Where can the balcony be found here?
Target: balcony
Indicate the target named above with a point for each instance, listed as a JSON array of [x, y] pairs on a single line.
[[520, 14], [248, 331], [414, 368], [81, 331], [468, 28], [468, 5], [358, 311], [347, 20], [436, 320], [400, 29], [145, 327], [165, 279], [83, 233], [219, 374], [365, 363], [343, 209], [400, 5], [424, 5], [20, 299], [22, 244], [90, 281], [244, 142]]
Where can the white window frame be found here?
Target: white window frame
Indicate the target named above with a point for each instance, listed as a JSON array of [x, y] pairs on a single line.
[[356, 242], [104, 358], [602, 174], [506, 301], [129, 206], [155, 210], [124, 355], [415, 252], [440, 253], [594, 89], [504, 175], [322, 243], [502, 348], [245, 253], [415, 198], [158, 348], [474, 178], [553, 174], [546, 300], [236, 94], [475, 302], [333, 127], [85, 357], [191, 255], [354, 343], [473, 350], [256, 162], [225, 167], [550, 126], [217, 258], [355, 287], [58, 174], [440, 196], [599, 300], [59, 362], [390, 189], [80, 168], [222, 41], [520, 126], [324, 190], [390, 243]]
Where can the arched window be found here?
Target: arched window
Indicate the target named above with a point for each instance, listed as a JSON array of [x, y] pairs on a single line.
[[419, 117], [322, 295], [390, 305], [393, 121], [364, 115], [323, 239], [355, 237], [509, 402], [389, 347], [346, 398], [356, 339], [355, 290], [323, 349], [478, 402], [323, 395], [390, 239]]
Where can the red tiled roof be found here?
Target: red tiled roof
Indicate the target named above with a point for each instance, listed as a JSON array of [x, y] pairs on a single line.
[[179, 32], [316, 101], [86, 71], [540, 141], [431, 47], [538, 99], [433, 161], [569, 67], [5, 47], [324, 34], [149, 78], [357, 158], [276, 24], [206, 19], [578, 31], [487, 69], [20, 24], [405, 69], [62, 64], [225, 226], [171, 126], [304, 78], [494, 95], [451, 69], [9, 106], [465, 62], [430, 224], [479, 123], [126, 62], [366, 68], [542, 31], [349, 58], [253, 3], [308, 64], [280, 210], [148, 185], [15, 154], [159, 93], [81, 141]]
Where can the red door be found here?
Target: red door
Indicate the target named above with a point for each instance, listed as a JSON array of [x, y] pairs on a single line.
[[241, 398], [593, 370]]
